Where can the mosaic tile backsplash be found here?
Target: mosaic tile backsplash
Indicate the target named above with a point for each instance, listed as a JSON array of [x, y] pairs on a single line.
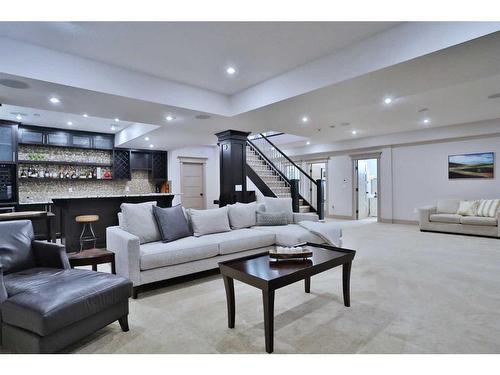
[[43, 190]]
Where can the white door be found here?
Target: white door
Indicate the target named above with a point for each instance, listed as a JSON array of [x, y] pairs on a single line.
[[362, 190], [192, 185]]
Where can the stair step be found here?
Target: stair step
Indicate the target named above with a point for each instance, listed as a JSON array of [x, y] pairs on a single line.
[[304, 209]]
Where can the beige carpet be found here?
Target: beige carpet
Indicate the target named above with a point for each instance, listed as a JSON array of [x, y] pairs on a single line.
[[411, 292]]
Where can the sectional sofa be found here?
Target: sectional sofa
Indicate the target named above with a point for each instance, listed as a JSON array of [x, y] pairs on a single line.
[[148, 262], [479, 217]]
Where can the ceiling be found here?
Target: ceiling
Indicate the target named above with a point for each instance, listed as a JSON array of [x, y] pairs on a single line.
[[453, 84], [197, 53], [40, 117]]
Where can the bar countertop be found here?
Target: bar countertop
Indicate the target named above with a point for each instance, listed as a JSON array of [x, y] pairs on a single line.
[[75, 197]]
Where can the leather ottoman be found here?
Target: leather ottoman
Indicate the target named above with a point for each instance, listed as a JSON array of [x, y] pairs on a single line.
[[49, 308]]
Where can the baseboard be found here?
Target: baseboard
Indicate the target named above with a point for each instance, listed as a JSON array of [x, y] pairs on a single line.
[[342, 217], [398, 221]]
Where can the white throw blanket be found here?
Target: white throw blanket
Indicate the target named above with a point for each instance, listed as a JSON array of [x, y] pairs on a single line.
[[330, 232]]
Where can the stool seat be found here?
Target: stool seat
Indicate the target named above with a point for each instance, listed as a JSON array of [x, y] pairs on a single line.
[[87, 218]]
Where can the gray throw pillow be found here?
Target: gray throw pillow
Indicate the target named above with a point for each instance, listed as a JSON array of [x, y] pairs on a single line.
[[171, 222], [272, 218], [204, 222], [242, 215], [279, 205]]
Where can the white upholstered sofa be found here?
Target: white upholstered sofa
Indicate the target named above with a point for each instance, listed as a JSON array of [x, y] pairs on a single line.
[[447, 217], [155, 261]]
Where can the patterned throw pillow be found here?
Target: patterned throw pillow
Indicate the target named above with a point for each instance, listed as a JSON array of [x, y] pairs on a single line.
[[468, 208], [488, 207], [272, 218]]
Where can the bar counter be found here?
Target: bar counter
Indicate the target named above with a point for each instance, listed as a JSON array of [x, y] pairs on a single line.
[[106, 206]]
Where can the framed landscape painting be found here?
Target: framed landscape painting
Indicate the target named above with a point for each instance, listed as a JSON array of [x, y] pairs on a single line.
[[480, 165]]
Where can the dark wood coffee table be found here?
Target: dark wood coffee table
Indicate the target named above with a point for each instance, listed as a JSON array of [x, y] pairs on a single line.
[[92, 257], [268, 275]]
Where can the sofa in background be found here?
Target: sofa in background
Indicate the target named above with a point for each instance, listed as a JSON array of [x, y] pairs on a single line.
[[148, 262], [461, 217], [44, 304]]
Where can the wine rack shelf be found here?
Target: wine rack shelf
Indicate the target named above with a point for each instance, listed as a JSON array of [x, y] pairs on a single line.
[[72, 163]]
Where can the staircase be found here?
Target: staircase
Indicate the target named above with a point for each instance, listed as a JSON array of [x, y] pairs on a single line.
[[274, 173]]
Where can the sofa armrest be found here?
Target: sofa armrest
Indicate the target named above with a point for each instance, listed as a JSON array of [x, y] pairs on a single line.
[[304, 216], [50, 255], [498, 221], [424, 213], [3, 291], [127, 253]]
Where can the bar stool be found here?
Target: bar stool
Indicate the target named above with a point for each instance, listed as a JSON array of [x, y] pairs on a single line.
[[87, 234]]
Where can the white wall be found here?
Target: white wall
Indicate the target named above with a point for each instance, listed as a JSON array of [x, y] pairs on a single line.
[[412, 176], [420, 175], [212, 182]]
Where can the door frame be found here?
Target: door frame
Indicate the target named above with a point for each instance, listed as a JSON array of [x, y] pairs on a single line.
[[194, 160], [355, 158]]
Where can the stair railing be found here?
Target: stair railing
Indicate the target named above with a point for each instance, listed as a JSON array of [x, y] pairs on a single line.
[[299, 181]]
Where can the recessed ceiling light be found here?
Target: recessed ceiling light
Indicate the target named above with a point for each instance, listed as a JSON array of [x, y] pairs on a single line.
[[69, 123], [151, 145], [426, 120], [354, 132], [170, 118], [117, 119], [388, 100], [146, 138], [305, 119], [113, 127], [54, 100], [308, 143], [19, 117], [230, 70], [85, 115]]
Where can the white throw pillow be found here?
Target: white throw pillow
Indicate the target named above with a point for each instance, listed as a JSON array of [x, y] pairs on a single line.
[[209, 221], [468, 208], [275, 205], [242, 215], [138, 219], [488, 207]]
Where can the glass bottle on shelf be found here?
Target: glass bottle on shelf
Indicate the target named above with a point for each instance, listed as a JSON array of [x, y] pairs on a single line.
[[61, 174], [46, 173], [67, 175], [23, 174]]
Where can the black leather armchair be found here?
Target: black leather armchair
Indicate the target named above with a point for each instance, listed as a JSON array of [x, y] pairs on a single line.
[[44, 304]]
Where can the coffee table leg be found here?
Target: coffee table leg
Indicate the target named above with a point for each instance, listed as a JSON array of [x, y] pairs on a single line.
[[268, 299], [229, 285], [346, 280], [307, 284]]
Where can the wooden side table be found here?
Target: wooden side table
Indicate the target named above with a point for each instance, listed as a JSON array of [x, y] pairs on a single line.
[[92, 257]]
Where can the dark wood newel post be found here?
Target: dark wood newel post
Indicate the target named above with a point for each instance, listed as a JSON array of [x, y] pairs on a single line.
[[319, 198], [294, 191], [233, 161]]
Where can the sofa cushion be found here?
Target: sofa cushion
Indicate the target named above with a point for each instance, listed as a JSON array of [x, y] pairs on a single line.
[[241, 240], [279, 205], [242, 215], [468, 208], [272, 218], [44, 300], [138, 219], [187, 249], [448, 206], [478, 220], [446, 218], [291, 234], [488, 207], [171, 222], [205, 222]]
